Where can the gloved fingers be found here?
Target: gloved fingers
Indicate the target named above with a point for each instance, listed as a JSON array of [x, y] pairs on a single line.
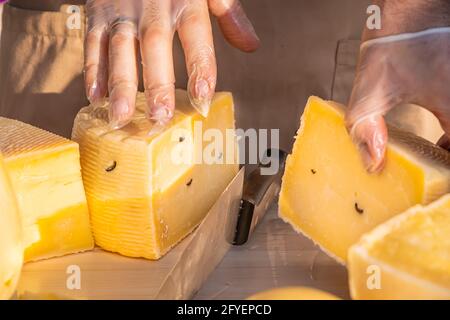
[[371, 136], [96, 50], [156, 38], [392, 72], [197, 41], [371, 99], [96, 66], [123, 72], [235, 25]]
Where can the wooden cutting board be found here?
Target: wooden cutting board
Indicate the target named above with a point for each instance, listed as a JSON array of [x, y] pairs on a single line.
[[102, 275], [275, 256]]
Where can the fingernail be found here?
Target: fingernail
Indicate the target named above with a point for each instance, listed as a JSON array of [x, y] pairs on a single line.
[[365, 155], [92, 91], [202, 89], [378, 146], [94, 96], [161, 114], [118, 114], [201, 97]]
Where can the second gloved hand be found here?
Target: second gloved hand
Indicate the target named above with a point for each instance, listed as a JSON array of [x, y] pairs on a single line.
[[412, 68], [119, 29]]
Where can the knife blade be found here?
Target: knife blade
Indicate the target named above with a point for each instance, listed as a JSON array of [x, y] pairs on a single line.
[[258, 193]]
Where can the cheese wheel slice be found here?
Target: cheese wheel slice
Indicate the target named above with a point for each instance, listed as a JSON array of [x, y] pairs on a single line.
[[407, 257], [11, 249], [46, 176], [149, 186], [327, 194]]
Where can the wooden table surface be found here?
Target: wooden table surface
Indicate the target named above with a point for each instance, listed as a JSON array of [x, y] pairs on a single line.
[[275, 256]]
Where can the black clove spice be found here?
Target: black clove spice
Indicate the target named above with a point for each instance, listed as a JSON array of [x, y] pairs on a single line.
[[111, 167], [358, 209]]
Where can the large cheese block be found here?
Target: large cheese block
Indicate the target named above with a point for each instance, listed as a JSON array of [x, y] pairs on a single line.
[[45, 172], [11, 250], [149, 186], [407, 257], [327, 194]]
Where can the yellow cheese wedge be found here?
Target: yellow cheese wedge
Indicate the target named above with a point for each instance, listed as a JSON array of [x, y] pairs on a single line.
[[45, 173], [147, 187], [293, 293], [407, 257], [11, 250], [327, 194]]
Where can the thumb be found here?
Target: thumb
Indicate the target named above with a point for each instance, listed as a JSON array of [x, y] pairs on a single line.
[[369, 102], [371, 136]]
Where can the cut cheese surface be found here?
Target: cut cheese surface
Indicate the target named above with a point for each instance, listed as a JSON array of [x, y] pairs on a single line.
[[293, 293], [46, 177], [11, 250], [147, 187], [327, 194], [410, 255]]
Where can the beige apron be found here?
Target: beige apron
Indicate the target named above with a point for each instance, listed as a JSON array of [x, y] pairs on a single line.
[[308, 48], [41, 65]]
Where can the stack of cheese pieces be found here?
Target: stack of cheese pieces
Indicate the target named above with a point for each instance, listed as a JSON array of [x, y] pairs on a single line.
[[407, 257], [11, 250], [149, 186], [328, 195], [45, 173]]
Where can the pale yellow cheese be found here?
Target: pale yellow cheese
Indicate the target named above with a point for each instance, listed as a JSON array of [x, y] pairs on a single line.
[[293, 293], [46, 177], [11, 250], [407, 257], [328, 195], [147, 186]]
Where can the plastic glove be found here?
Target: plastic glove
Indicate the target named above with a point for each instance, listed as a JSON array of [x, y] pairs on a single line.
[[395, 70], [119, 29]]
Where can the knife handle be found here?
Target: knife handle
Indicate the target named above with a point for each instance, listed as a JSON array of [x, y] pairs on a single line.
[[259, 191]]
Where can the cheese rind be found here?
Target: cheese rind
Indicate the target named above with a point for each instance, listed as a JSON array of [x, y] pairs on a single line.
[[46, 177], [293, 293], [11, 249], [145, 189], [407, 257], [327, 194]]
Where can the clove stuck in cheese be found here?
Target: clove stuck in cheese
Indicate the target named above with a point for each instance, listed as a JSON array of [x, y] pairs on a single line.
[[46, 177], [149, 186], [407, 257], [11, 250], [327, 194]]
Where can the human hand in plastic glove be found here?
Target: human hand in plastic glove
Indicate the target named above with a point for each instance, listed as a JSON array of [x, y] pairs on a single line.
[[407, 61], [117, 29]]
